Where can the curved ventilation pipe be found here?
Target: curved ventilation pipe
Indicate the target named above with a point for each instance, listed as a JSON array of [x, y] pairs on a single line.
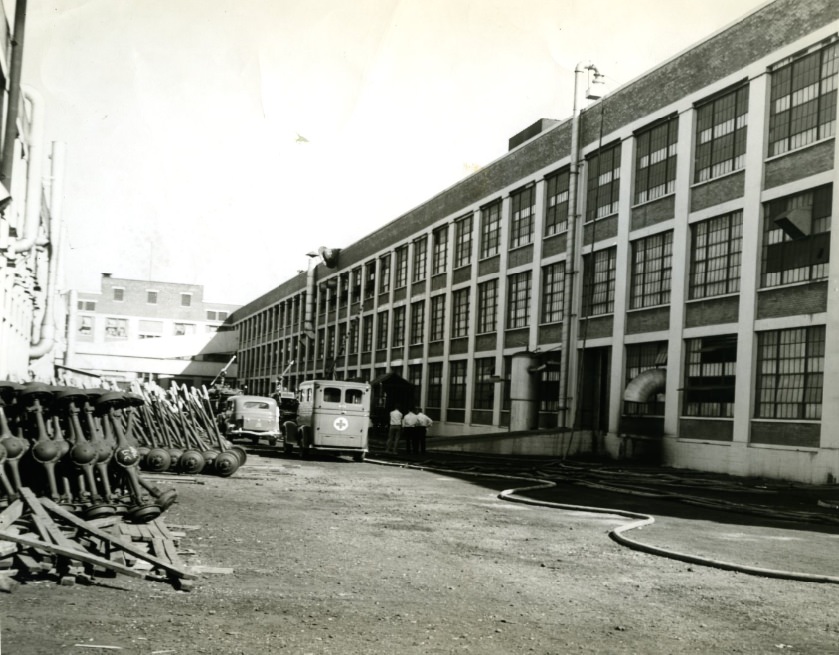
[[33, 171], [47, 338], [645, 385]]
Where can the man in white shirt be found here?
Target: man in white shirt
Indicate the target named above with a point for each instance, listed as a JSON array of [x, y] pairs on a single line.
[[394, 431], [423, 423], [409, 429]]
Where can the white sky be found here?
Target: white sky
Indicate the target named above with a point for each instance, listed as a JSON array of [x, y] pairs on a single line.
[[181, 117]]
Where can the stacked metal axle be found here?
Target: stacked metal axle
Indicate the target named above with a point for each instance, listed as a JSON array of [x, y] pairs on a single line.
[[84, 448]]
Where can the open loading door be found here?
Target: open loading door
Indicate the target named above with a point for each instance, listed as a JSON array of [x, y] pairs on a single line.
[[645, 385]]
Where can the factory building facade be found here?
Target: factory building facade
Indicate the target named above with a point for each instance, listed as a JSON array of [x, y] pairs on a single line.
[[652, 273]]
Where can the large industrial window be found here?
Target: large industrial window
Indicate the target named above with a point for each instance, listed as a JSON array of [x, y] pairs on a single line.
[[796, 237], [384, 273], [721, 125], [604, 173], [352, 339], [715, 256], [417, 322], [415, 378], [401, 272], [457, 384], [642, 357], [553, 292], [549, 388], [710, 374], [381, 330], [487, 306], [420, 259], [803, 99], [652, 260], [463, 242], [556, 211], [483, 396], [460, 313], [599, 282], [440, 250], [655, 160], [518, 300], [330, 341], [434, 391], [790, 371], [367, 334], [521, 224], [438, 317], [490, 229], [398, 328], [370, 279], [356, 285]]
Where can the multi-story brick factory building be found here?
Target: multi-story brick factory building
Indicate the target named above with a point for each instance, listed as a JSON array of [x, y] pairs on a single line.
[[653, 270], [149, 330]]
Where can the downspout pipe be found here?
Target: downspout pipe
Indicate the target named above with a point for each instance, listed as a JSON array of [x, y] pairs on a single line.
[[33, 172], [47, 337], [15, 66], [571, 248]]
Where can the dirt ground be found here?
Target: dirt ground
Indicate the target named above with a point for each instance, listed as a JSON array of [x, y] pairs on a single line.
[[333, 556]]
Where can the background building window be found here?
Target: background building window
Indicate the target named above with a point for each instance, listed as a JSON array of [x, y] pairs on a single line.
[[367, 333], [434, 392], [522, 205], [438, 317], [490, 230], [487, 306], [604, 172], [417, 322], [147, 329], [119, 294], [796, 238], [721, 126], [398, 338], [556, 212], [710, 375], [184, 328], [420, 259], [186, 299], [652, 261], [553, 292], [655, 161], [116, 328], [483, 397], [463, 242], [715, 256], [439, 250], [85, 326], [802, 106], [599, 282], [381, 330], [457, 384], [460, 313], [641, 357], [151, 297], [401, 273], [790, 371], [518, 300], [384, 274], [86, 305]]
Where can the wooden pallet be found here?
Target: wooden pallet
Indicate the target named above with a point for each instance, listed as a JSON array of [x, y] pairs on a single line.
[[40, 537]]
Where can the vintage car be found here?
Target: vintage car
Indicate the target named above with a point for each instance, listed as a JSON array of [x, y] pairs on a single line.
[[256, 417]]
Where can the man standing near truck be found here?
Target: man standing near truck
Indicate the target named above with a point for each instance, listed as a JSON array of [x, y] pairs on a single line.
[[423, 423], [394, 431]]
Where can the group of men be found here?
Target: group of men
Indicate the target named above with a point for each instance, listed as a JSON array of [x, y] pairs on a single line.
[[413, 426]]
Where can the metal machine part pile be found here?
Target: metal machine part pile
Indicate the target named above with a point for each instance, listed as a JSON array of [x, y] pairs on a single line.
[[85, 448]]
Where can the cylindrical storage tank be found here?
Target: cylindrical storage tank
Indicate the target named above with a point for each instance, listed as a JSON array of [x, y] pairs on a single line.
[[524, 392]]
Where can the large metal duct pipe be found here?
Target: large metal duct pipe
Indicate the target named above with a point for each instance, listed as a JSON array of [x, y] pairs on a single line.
[[645, 385], [524, 391], [15, 65], [47, 337], [34, 177]]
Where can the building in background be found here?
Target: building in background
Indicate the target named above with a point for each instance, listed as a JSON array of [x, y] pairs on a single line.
[[654, 272], [149, 330]]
